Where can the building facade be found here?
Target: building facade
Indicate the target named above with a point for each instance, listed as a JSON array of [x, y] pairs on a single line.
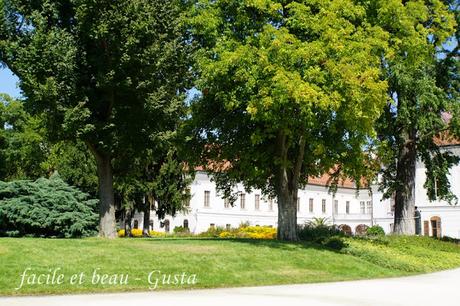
[[351, 209]]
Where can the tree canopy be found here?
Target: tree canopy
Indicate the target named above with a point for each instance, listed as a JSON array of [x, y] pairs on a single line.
[[422, 90], [290, 89], [111, 74]]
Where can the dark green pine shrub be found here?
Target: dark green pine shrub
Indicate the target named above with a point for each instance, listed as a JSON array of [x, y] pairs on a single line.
[[46, 208]]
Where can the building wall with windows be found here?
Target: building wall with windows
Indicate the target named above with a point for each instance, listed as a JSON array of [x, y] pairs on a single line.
[[208, 208], [348, 208], [439, 218]]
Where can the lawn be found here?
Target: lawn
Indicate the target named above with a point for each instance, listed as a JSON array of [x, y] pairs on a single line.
[[207, 263]]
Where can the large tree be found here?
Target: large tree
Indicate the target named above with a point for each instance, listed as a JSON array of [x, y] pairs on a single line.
[[109, 73], [290, 89], [422, 91], [26, 153], [23, 146], [152, 181]]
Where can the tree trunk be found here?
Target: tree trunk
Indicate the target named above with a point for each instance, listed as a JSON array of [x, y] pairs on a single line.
[[287, 179], [146, 229], [404, 223], [287, 215], [106, 194], [128, 221]]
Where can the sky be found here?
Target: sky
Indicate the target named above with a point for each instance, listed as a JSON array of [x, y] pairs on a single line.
[[8, 83]]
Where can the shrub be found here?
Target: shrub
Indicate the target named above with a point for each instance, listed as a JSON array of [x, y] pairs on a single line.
[[136, 232], [450, 239], [251, 232], [335, 243], [259, 232], [121, 233], [214, 231], [181, 230], [318, 232], [156, 234], [46, 208], [375, 230]]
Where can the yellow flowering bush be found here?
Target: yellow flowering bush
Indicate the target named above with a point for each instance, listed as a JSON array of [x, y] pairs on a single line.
[[227, 234], [136, 232], [121, 233], [252, 232], [156, 234]]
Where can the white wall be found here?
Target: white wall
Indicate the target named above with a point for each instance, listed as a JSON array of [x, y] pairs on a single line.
[[200, 217]]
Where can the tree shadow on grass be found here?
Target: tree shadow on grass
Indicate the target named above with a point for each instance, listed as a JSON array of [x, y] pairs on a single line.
[[276, 244], [283, 245]]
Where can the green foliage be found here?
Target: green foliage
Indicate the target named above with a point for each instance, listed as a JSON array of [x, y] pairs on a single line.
[[74, 163], [212, 232], [319, 222], [46, 207], [289, 91], [26, 153], [318, 231], [98, 70], [375, 230], [403, 253], [450, 239], [112, 75], [23, 146], [240, 263], [421, 87], [181, 229], [335, 242]]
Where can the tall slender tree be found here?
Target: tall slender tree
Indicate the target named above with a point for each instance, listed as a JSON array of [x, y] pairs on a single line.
[[109, 73], [290, 89], [413, 118]]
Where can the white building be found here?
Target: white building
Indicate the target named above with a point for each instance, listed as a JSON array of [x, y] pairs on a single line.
[[351, 209]]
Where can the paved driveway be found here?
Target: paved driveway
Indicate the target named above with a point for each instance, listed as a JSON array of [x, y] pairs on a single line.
[[441, 289]]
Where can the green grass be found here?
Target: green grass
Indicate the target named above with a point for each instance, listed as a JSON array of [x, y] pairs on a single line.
[[216, 263]]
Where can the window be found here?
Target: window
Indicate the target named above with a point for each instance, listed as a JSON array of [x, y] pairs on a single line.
[[270, 204], [362, 207], [323, 206], [347, 207], [257, 201], [243, 201], [136, 224], [310, 205], [298, 204], [226, 203], [369, 207], [228, 227], [207, 196], [151, 224], [336, 206], [212, 226], [185, 224]]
